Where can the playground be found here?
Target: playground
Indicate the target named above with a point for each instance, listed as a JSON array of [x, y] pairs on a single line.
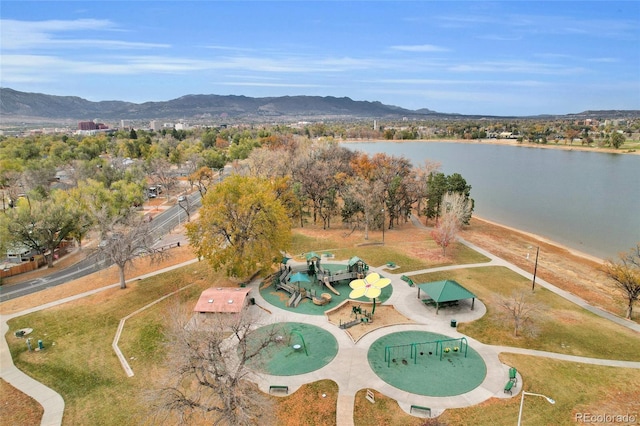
[[412, 354], [301, 348], [316, 287], [426, 363], [347, 313]]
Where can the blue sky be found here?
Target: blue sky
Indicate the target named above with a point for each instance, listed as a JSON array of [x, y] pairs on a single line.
[[493, 58]]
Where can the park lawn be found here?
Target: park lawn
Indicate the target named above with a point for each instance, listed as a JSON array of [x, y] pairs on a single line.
[[423, 253], [307, 406], [78, 360], [576, 388], [561, 326], [385, 411], [16, 408]]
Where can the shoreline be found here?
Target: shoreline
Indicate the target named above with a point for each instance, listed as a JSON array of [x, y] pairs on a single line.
[[505, 142], [544, 240]]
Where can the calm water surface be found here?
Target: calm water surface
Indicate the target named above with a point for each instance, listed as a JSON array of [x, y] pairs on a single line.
[[586, 200]]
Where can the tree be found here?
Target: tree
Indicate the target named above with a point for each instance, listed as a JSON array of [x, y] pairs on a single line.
[[209, 367], [160, 170], [438, 185], [242, 227], [42, 224], [458, 205], [127, 240], [446, 231], [202, 179], [617, 139], [625, 276], [520, 309]]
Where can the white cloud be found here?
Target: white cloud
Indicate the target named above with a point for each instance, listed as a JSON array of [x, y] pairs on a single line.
[[28, 35], [420, 48]]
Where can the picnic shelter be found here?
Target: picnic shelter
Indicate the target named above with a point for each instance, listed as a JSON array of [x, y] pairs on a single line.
[[445, 293]]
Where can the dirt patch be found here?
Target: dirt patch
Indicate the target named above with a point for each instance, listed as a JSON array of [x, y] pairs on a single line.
[[384, 316]]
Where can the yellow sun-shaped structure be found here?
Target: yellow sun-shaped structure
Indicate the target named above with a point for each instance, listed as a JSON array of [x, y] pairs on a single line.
[[371, 286]]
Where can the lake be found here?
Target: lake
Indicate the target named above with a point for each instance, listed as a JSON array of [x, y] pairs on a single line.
[[588, 201]]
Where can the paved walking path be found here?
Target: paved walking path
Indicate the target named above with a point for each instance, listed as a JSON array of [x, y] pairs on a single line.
[[350, 368]]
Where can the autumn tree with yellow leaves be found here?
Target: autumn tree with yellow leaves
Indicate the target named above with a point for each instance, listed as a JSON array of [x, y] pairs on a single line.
[[243, 226]]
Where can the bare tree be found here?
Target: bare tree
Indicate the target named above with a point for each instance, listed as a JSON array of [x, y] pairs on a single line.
[[203, 179], [208, 368], [446, 231], [521, 309], [160, 170], [625, 275], [457, 204], [127, 240]]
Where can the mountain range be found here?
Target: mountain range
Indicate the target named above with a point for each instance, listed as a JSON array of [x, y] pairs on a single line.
[[16, 105]]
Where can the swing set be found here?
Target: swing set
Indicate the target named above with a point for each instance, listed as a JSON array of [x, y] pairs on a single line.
[[440, 347]]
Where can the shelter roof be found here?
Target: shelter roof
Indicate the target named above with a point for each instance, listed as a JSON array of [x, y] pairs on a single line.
[[312, 255], [446, 291], [222, 299], [354, 260]]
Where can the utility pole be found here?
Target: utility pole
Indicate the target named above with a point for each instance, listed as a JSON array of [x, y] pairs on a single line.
[[535, 269]]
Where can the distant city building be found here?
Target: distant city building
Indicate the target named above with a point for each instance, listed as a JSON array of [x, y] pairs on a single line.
[[154, 125], [91, 125], [87, 125], [125, 124]]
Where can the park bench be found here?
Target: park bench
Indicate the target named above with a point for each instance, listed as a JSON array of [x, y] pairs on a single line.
[[391, 265], [429, 302], [508, 386], [279, 388], [419, 407], [513, 375], [407, 280]]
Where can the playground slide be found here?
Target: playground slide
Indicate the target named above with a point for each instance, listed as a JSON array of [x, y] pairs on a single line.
[[330, 287]]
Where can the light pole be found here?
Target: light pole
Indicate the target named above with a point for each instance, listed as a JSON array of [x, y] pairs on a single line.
[[535, 269], [383, 218], [550, 400]]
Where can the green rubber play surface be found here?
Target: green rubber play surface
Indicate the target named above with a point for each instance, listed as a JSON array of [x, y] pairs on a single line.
[[421, 369], [303, 348], [280, 298]]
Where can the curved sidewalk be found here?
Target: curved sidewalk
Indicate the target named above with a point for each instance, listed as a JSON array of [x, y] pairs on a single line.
[[350, 368], [50, 400]]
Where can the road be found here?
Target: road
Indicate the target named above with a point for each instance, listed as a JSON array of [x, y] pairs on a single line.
[[160, 226]]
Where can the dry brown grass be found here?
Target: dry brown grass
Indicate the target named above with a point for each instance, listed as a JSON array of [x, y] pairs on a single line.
[[576, 273], [17, 408], [294, 409], [91, 282]]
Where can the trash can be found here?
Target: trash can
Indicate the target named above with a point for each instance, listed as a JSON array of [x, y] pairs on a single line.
[[252, 301], [40, 345], [453, 323]]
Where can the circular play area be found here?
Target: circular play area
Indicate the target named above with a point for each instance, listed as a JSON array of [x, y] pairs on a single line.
[[426, 363], [312, 291], [300, 348]]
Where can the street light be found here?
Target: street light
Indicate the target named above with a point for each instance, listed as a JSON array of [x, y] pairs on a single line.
[[549, 400], [383, 218]]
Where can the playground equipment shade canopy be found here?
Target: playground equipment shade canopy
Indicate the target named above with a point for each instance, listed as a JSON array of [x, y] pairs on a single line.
[[445, 291], [299, 277]]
